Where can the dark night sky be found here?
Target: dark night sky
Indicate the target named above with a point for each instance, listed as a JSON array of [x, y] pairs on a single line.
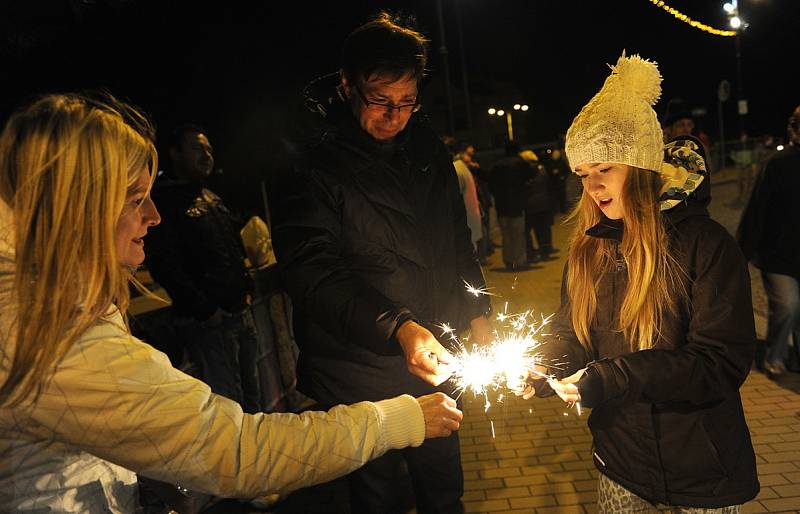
[[237, 67]]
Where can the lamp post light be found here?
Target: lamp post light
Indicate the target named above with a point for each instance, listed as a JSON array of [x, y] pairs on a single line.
[[731, 8], [493, 111]]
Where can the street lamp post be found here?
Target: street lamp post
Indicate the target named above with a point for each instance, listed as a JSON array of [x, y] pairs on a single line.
[[736, 22], [493, 111]]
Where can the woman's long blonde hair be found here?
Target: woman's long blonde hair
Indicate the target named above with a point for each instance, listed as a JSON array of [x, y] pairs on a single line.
[[66, 163], [655, 285]]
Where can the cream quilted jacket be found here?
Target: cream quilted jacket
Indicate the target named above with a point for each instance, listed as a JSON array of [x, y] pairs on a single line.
[[116, 406]]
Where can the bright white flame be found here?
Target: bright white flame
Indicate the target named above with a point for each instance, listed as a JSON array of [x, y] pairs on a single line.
[[507, 361]]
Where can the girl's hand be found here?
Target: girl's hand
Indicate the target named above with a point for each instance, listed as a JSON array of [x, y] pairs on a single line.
[[566, 389]]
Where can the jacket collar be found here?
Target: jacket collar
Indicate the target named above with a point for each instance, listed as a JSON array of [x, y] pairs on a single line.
[[607, 229]]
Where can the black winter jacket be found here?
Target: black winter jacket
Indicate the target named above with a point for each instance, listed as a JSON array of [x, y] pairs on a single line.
[[668, 422], [507, 182], [369, 235], [196, 253], [769, 233]]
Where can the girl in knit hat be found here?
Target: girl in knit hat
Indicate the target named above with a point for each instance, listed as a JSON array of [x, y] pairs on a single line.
[[655, 331]]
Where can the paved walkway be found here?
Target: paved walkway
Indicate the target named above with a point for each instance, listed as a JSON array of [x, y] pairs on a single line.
[[538, 460]]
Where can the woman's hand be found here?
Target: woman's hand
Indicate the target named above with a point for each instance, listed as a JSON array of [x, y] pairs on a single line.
[[441, 415], [425, 356]]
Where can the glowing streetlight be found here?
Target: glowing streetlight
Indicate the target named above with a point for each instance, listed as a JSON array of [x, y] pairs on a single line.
[[731, 8], [509, 122]]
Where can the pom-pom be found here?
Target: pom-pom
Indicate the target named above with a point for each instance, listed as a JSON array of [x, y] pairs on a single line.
[[639, 77]]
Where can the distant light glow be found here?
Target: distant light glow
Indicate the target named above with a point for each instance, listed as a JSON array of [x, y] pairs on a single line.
[[517, 107], [728, 7], [736, 22], [524, 107], [779, 148], [491, 111], [501, 112]]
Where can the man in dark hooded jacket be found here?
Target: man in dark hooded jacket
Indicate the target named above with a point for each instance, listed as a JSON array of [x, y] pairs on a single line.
[[370, 231]]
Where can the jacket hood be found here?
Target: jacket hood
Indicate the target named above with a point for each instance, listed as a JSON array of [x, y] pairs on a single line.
[[687, 180]]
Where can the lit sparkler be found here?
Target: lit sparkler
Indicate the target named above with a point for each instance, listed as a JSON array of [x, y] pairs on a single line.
[[506, 362]]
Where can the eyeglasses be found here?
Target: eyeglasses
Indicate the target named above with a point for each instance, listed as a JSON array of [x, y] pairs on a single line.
[[385, 107]]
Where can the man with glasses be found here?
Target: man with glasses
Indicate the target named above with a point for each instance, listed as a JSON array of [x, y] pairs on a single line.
[[370, 232]]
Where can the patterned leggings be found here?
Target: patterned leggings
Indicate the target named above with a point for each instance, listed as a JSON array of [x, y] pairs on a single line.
[[613, 498]]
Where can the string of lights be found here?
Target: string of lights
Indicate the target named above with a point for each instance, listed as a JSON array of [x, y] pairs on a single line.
[[694, 23]]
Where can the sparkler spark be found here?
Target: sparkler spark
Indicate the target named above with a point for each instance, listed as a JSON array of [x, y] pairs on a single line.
[[507, 361], [477, 291]]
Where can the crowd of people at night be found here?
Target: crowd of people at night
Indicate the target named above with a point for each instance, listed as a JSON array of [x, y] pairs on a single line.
[[374, 230]]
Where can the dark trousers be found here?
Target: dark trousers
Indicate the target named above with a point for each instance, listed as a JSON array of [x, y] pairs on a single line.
[[783, 326], [436, 475], [225, 356], [541, 223]]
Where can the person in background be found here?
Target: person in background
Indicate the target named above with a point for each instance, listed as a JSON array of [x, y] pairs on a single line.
[[557, 173], [485, 245], [469, 193], [769, 236], [371, 236], [655, 332], [507, 181], [197, 256], [744, 155], [83, 404], [538, 211]]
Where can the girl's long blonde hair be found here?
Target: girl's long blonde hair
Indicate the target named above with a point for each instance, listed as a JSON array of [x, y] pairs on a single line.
[[655, 285], [66, 163]]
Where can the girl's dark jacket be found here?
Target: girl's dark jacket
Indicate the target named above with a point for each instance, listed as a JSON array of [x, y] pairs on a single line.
[[369, 235], [667, 423]]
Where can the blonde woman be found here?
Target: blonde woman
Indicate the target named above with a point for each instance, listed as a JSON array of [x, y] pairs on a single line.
[[83, 404], [655, 332]]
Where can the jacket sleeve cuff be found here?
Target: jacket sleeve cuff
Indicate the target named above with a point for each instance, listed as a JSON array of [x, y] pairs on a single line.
[[402, 318], [591, 388], [401, 421]]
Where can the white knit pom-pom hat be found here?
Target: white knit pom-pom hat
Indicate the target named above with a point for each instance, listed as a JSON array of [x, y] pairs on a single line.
[[619, 124]]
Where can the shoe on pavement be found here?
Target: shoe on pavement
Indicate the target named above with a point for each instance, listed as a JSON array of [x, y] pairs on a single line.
[[774, 369]]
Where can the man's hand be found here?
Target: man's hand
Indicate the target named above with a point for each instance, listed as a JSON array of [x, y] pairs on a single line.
[[441, 415], [424, 354], [481, 330]]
